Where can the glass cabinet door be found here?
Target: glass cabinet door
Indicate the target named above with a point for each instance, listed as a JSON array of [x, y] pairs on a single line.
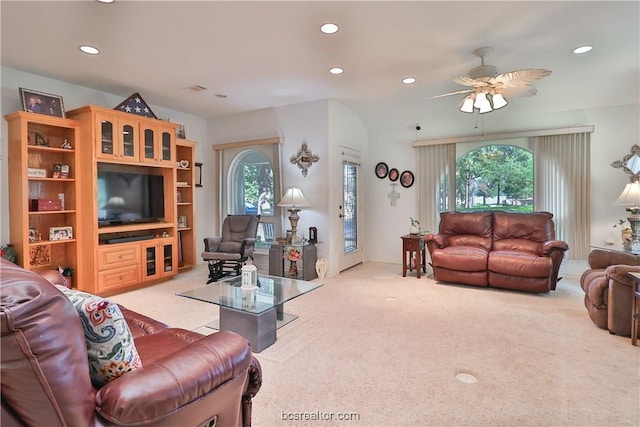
[[106, 137], [167, 257], [166, 146], [149, 144], [128, 141], [151, 268]]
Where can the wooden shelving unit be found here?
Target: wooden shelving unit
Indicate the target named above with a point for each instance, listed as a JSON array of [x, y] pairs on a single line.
[[185, 203], [35, 151]]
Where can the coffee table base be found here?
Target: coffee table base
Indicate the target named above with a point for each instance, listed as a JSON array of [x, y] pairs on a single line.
[[258, 329]]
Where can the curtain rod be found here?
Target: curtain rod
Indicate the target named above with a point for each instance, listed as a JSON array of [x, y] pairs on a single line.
[[508, 135]]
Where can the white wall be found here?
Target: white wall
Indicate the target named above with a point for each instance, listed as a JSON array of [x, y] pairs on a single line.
[[616, 130], [324, 125]]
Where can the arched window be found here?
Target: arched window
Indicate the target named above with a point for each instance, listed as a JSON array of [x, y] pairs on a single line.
[[495, 177], [251, 190]]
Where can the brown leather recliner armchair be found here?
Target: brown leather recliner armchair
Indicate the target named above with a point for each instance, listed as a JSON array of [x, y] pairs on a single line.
[[608, 289], [507, 250], [187, 379]]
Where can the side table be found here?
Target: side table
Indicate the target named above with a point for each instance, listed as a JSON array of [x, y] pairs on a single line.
[[306, 266], [635, 311], [413, 247]]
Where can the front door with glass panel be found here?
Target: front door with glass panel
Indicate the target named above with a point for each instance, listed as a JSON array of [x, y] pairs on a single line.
[[351, 253]]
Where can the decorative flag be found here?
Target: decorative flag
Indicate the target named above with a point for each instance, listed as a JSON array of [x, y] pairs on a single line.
[[136, 105]]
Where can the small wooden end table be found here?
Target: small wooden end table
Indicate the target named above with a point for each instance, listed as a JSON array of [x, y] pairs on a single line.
[[413, 246]]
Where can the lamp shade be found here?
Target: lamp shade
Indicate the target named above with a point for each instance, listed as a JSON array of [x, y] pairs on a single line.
[[498, 101], [293, 198], [467, 104], [630, 196]]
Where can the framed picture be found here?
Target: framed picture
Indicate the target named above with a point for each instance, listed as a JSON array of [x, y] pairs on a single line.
[[60, 233], [60, 171], [180, 131], [394, 174], [382, 170], [41, 103], [406, 179], [198, 173]]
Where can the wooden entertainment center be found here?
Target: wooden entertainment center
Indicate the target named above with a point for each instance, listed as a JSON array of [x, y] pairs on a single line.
[[105, 257]]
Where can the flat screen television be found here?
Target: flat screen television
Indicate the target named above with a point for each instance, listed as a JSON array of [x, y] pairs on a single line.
[[129, 195]]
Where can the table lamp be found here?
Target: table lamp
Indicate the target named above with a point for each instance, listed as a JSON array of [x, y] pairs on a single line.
[[293, 199], [630, 196]]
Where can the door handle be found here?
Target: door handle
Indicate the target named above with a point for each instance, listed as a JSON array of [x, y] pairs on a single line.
[[340, 216]]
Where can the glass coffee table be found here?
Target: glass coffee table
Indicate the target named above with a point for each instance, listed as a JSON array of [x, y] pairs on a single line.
[[253, 314]]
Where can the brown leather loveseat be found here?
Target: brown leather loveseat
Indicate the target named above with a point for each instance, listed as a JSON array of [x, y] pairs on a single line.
[[608, 289], [500, 249], [186, 379]]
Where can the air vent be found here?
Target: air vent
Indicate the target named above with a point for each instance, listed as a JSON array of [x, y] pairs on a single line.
[[197, 88]]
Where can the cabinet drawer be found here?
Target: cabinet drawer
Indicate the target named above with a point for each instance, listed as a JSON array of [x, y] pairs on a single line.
[[109, 257], [118, 277]]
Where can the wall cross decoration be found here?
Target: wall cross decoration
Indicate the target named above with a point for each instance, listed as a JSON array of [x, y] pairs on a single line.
[[304, 158], [393, 195]]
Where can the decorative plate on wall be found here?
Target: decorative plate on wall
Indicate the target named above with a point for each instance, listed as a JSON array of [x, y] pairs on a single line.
[[406, 179], [394, 174]]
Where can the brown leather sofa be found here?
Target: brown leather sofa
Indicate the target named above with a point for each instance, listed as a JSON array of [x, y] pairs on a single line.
[[500, 249], [608, 289], [187, 379]]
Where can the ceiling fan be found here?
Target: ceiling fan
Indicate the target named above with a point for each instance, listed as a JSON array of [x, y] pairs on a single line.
[[489, 90]]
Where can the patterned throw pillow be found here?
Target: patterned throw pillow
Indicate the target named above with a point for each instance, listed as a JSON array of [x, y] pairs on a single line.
[[110, 345]]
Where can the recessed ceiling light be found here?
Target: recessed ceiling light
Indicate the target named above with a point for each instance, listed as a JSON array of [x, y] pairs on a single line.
[[105, 1], [409, 80], [329, 28], [89, 50], [336, 70], [582, 49]]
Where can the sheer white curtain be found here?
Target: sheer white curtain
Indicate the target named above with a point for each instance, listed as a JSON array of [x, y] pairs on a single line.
[[435, 193], [563, 187]]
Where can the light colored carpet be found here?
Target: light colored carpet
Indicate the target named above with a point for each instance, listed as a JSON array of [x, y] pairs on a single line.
[[388, 349]]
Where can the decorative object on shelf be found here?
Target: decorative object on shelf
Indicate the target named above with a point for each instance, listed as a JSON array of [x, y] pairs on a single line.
[[39, 256], [178, 196], [180, 130], [40, 140], [61, 198], [630, 164], [630, 197], [393, 195], [321, 267], [34, 234], [60, 171], [66, 144], [182, 221], [304, 158], [394, 174], [8, 252], [382, 170], [36, 173], [198, 173], [293, 199], [60, 233], [406, 179], [38, 102], [136, 105], [313, 235], [183, 164]]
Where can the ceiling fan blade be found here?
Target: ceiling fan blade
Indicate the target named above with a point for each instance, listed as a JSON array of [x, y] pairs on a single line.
[[468, 81], [458, 92], [526, 76], [517, 91]]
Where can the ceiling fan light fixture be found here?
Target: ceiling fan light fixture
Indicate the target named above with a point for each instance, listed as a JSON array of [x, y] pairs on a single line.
[[466, 106], [481, 100], [498, 101], [485, 108]]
